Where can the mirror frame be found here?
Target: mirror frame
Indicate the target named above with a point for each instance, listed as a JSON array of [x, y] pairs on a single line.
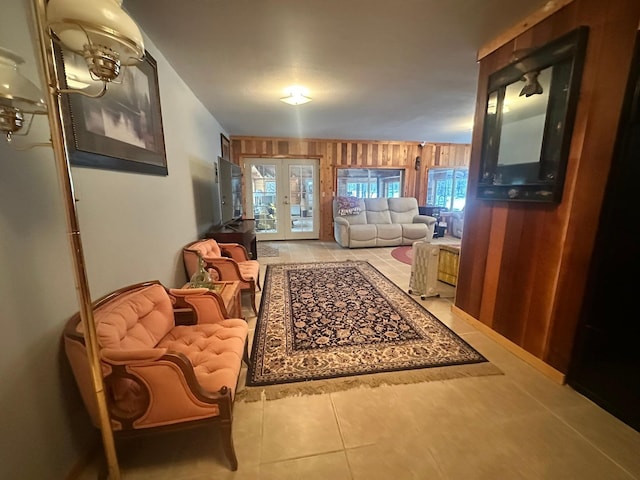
[[541, 180]]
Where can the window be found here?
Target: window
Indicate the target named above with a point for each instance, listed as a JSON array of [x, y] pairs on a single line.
[[447, 187], [370, 182]]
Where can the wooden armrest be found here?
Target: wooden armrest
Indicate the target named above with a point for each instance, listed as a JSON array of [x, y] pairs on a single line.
[[130, 385], [131, 357], [227, 268], [236, 251], [205, 306]]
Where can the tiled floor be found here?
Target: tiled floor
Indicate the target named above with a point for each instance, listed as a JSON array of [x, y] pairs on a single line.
[[520, 425]]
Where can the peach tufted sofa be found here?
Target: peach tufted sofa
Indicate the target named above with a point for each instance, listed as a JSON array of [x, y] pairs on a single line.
[[159, 373]]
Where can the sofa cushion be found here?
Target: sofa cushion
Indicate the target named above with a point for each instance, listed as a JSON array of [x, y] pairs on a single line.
[[402, 210], [361, 236], [249, 269], [136, 320], [377, 210], [412, 232], [389, 235], [362, 233], [207, 248], [214, 350]]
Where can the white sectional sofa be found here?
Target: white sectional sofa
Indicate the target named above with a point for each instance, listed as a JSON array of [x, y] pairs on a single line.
[[380, 222]]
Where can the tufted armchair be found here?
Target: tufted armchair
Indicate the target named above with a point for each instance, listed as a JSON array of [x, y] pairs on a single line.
[[159, 374], [227, 262]]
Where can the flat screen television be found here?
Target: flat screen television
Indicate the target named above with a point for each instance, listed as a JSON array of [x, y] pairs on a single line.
[[230, 181]]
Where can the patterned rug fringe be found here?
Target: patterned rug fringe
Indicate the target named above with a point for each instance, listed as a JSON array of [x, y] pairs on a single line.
[[332, 385]]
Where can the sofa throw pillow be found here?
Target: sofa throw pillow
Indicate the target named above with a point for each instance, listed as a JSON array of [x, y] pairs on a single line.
[[348, 206]]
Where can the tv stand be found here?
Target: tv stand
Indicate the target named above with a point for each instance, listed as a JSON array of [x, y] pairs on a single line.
[[242, 232], [232, 226]]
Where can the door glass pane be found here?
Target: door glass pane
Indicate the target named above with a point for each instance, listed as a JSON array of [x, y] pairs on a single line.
[[447, 188], [263, 181], [301, 198]]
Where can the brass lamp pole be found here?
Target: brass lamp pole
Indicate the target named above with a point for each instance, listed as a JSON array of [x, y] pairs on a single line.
[[63, 168]]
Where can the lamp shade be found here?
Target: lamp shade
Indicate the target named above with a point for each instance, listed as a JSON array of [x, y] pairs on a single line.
[[101, 22], [17, 91]]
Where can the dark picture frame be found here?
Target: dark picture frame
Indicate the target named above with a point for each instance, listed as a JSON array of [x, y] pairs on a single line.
[[225, 147], [528, 123], [122, 130]]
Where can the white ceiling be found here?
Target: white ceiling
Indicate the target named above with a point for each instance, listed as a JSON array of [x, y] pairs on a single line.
[[376, 69]]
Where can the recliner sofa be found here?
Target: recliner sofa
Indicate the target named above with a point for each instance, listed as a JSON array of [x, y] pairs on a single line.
[[380, 222]]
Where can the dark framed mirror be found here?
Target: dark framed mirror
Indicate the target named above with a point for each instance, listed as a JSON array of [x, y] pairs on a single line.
[[529, 117]]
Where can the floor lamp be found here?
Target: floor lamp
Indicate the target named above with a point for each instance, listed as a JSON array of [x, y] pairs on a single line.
[[108, 39]]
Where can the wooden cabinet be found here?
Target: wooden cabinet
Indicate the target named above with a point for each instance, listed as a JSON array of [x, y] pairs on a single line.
[[448, 264], [243, 232]]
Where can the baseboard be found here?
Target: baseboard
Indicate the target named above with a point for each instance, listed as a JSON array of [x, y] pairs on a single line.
[[83, 461], [555, 375]]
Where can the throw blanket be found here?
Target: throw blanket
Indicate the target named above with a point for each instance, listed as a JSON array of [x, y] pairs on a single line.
[[348, 206]]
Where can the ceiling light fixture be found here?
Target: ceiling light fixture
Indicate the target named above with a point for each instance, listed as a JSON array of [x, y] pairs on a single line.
[[296, 96]]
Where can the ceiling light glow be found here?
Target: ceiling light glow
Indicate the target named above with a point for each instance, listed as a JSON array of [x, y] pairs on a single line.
[[296, 96]]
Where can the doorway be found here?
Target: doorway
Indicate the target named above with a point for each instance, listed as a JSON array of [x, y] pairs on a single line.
[[605, 364], [282, 194]]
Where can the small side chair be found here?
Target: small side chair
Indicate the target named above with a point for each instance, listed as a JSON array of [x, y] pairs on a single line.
[[227, 262]]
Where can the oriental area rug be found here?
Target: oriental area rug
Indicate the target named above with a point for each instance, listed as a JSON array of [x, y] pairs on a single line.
[[331, 326]]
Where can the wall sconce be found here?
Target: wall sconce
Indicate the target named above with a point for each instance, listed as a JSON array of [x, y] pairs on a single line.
[[418, 161], [18, 96]]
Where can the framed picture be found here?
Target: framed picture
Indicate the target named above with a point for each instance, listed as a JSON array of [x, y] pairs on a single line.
[[225, 147], [528, 122], [121, 130]]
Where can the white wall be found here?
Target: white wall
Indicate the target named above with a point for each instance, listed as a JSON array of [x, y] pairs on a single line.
[[133, 227]]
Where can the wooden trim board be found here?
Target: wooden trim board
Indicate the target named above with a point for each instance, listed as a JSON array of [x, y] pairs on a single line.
[[548, 9], [518, 351]]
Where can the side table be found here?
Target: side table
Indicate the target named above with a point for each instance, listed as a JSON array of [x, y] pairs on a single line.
[[229, 294], [448, 264]]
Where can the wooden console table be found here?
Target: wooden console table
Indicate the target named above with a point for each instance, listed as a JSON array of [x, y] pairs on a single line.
[[243, 233]]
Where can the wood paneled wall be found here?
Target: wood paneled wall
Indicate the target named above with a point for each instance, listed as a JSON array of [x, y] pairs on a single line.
[[334, 154], [523, 267]]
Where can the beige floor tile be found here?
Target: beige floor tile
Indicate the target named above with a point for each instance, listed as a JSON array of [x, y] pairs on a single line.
[[367, 415], [174, 455], [520, 425], [329, 466], [390, 460], [299, 426], [247, 431], [613, 437]]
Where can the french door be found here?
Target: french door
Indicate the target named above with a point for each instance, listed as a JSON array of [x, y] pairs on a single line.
[[283, 196]]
